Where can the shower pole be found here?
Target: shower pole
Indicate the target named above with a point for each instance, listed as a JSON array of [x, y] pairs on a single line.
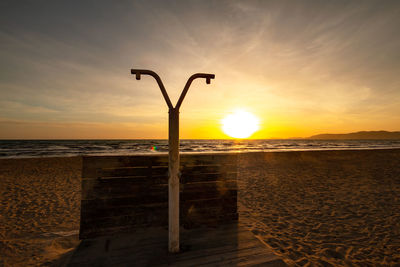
[[173, 152]]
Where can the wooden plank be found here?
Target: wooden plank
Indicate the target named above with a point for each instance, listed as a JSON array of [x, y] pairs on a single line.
[[205, 238], [111, 211], [212, 221], [209, 168], [186, 211], [118, 182], [90, 164], [157, 217], [99, 206], [210, 202], [197, 216], [106, 189], [197, 250], [124, 187], [163, 170], [199, 194], [201, 240], [222, 259], [112, 208], [226, 245], [156, 182], [250, 257], [209, 171], [105, 225], [210, 185], [99, 203], [203, 159], [147, 171], [210, 218], [204, 177], [192, 191], [229, 247], [265, 260], [199, 237], [133, 191], [91, 184], [146, 219], [94, 233], [186, 177], [207, 211], [130, 235], [187, 256], [137, 216]]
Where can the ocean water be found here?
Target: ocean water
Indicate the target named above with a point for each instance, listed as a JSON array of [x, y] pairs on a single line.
[[54, 148]]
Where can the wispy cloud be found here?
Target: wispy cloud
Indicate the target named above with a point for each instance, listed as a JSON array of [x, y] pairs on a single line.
[[319, 59]]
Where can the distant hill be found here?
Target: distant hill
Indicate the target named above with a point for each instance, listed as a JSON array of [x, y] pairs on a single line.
[[359, 135]]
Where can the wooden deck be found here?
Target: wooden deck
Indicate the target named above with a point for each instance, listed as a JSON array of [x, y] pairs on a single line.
[[226, 245], [124, 214]]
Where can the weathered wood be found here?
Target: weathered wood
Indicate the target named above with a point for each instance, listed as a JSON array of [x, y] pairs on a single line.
[[173, 180], [208, 191], [173, 156], [91, 208], [130, 201], [146, 171], [209, 158], [185, 196], [95, 214], [189, 208], [205, 169], [90, 164], [118, 224], [227, 245], [209, 219], [150, 171], [158, 217], [93, 163], [188, 177], [115, 188], [93, 189]]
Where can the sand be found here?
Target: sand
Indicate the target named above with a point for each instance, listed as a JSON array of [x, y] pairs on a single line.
[[39, 211], [324, 208], [313, 208]]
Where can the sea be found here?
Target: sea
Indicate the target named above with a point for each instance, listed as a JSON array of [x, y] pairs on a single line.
[[69, 148]]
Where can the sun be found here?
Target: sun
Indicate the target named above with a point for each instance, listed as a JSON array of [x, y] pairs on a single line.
[[240, 124]]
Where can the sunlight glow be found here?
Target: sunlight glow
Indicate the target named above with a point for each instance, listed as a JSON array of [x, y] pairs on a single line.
[[240, 124]]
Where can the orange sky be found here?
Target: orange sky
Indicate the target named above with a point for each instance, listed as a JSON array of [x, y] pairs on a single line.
[[303, 68]]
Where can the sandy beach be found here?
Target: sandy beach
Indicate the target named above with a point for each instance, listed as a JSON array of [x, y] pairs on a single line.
[[324, 208], [312, 208], [40, 205]]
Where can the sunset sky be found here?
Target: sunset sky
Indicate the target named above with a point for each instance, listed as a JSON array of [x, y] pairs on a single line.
[[301, 67]]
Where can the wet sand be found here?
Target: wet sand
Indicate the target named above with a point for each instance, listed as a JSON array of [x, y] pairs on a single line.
[[313, 208]]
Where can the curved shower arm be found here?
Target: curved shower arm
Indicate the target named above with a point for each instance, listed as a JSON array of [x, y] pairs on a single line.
[[139, 72], [206, 76]]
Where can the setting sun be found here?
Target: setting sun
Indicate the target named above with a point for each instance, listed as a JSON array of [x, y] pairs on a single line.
[[240, 124]]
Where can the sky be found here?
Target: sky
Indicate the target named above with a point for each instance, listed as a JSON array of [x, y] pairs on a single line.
[[301, 67]]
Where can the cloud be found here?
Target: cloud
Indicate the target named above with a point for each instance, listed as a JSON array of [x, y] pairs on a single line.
[[61, 62]]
